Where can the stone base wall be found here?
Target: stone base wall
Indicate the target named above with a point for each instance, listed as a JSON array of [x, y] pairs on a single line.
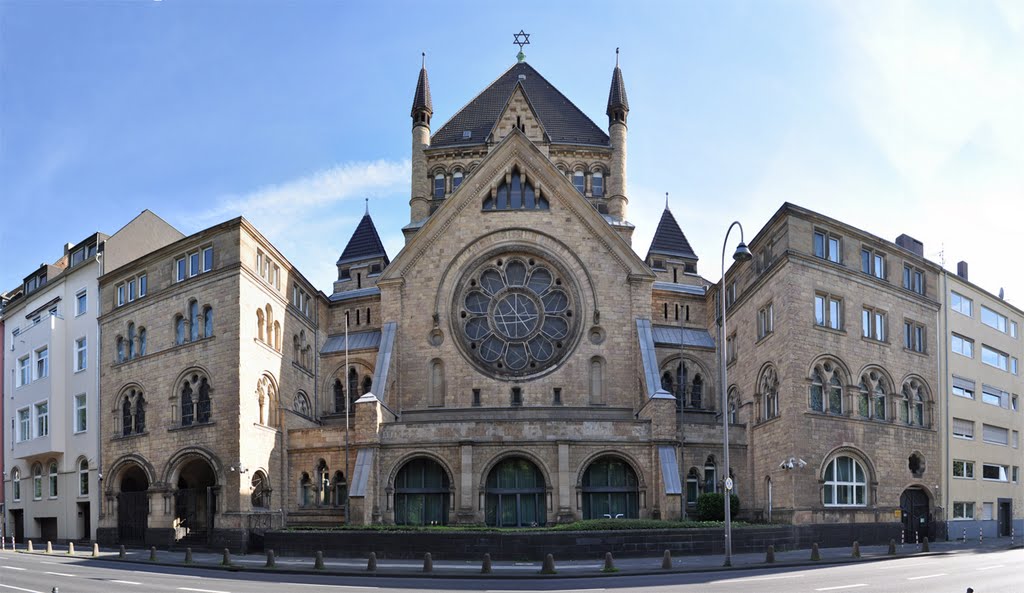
[[573, 545]]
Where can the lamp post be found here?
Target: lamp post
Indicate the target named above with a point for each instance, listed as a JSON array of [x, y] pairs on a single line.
[[742, 254]]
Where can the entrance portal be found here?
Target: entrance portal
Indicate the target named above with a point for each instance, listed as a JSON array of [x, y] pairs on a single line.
[[195, 502], [914, 508], [133, 506]]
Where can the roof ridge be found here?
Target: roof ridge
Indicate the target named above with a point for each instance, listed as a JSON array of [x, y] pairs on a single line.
[[475, 97]]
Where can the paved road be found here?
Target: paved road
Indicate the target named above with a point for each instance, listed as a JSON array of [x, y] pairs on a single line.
[[986, 572]]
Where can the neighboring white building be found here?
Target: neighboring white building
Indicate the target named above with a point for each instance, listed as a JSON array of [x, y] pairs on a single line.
[[51, 384], [982, 449]]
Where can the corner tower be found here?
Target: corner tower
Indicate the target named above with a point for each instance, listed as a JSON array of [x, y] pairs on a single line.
[[422, 109], [618, 111]]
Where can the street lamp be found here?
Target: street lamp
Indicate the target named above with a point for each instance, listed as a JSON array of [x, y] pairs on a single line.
[[742, 254]]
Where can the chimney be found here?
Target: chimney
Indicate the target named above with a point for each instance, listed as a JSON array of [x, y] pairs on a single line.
[[911, 244], [961, 269]]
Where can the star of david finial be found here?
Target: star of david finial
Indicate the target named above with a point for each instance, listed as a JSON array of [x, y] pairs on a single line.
[[521, 38]]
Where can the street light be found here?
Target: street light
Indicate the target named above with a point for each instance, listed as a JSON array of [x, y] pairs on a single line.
[[742, 254]]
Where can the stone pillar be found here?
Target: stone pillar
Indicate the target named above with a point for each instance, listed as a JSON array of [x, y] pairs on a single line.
[[617, 201], [419, 203], [566, 490], [466, 513]]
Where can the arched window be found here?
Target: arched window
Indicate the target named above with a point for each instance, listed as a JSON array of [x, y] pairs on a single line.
[[179, 330], [835, 395], [193, 320], [734, 405], [710, 475], [769, 387], [845, 483], [187, 405], [863, 400], [456, 182], [203, 405], [596, 382], [266, 398], [295, 350], [697, 392], [692, 487], [270, 325], [515, 194], [131, 341], [305, 490], [37, 481], [871, 401], [610, 490], [436, 384], [323, 483], [367, 385], [422, 492], [83, 477], [142, 341], [133, 412], [353, 386], [826, 389], [597, 184], [120, 349], [260, 491], [53, 479], [339, 489], [301, 405], [817, 392], [207, 321], [16, 484], [339, 397], [277, 336], [579, 181], [126, 417], [140, 414], [515, 495], [912, 403], [259, 324], [438, 186], [880, 402]]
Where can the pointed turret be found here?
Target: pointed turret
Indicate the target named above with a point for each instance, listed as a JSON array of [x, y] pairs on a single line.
[[363, 259], [618, 110], [422, 110], [670, 252]]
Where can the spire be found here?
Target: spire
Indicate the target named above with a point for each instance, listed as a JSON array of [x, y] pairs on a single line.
[[422, 106], [365, 243], [669, 239], [618, 104]]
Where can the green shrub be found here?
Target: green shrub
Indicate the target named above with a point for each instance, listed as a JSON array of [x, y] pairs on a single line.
[[711, 506]]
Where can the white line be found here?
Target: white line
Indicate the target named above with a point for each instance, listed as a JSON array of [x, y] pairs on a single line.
[[126, 582], [59, 574], [842, 587], [12, 568], [927, 576], [784, 576], [18, 588], [889, 565], [989, 567], [202, 590]]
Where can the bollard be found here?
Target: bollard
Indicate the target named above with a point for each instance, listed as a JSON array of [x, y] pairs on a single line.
[[903, 538], [95, 550], [152, 553], [318, 561], [485, 568], [1011, 536], [924, 545], [30, 548], [856, 550], [981, 535], [915, 538], [965, 535], [549, 565], [49, 547], [769, 555], [815, 555], [428, 563], [371, 562], [226, 560], [271, 561], [188, 555], [666, 560], [71, 548], [609, 563], [892, 547], [120, 552]]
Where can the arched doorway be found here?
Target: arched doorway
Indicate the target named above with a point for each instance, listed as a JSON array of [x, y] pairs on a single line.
[[195, 502], [515, 495], [916, 515], [610, 490], [421, 493], [133, 506]]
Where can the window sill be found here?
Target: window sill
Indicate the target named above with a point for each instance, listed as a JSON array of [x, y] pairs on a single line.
[[190, 426], [874, 341], [267, 346], [830, 330], [923, 353], [846, 506], [119, 437], [960, 478], [765, 337], [768, 420]]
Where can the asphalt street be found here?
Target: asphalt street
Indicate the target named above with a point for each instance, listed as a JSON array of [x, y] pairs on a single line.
[[985, 571]]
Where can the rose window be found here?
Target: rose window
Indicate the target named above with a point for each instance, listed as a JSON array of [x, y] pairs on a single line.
[[515, 315]]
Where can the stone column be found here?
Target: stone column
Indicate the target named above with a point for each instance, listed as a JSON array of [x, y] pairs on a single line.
[[566, 489], [466, 512]]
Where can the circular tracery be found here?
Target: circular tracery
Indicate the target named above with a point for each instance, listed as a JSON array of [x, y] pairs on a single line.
[[515, 314]]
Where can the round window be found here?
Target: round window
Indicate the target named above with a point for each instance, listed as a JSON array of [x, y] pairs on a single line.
[[515, 314]]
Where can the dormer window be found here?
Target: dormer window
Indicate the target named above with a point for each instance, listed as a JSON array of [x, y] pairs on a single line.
[[597, 184], [579, 181], [438, 186]]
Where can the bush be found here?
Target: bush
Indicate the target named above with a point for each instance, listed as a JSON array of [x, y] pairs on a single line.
[[711, 506]]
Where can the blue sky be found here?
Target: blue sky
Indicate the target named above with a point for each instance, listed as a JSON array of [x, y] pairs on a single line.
[[892, 116]]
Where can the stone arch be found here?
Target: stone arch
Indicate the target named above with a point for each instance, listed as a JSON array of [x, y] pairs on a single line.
[[618, 454], [880, 371], [694, 369], [268, 401], [338, 372], [172, 469], [437, 169], [836, 363], [425, 454], [125, 462], [850, 450], [912, 387], [510, 453], [578, 166]]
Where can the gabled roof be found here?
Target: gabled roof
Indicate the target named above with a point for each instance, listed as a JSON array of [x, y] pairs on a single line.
[[364, 244], [561, 119], [669, 239]]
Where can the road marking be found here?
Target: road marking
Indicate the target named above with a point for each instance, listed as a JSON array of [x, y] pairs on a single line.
[[842, 587], [989, 567], [12, 567], [772, 578], [59, 574], [202, 590], [927, 576], [126, 582], [18, 588], [884, 566]]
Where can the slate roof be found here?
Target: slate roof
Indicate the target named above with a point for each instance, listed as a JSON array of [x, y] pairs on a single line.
[[617, 94], [669, 239], [680, 288], [666, 335], [364, 244], [354, 294], [562, 120], [421, 100], [356, 341]]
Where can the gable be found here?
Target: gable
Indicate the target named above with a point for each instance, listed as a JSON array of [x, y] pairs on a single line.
[[518, 113]]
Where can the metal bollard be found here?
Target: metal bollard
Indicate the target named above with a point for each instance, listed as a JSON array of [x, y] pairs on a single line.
[[965, 535], [981, 535]]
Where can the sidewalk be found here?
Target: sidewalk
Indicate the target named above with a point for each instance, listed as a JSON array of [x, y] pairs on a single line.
[[515, 570]]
